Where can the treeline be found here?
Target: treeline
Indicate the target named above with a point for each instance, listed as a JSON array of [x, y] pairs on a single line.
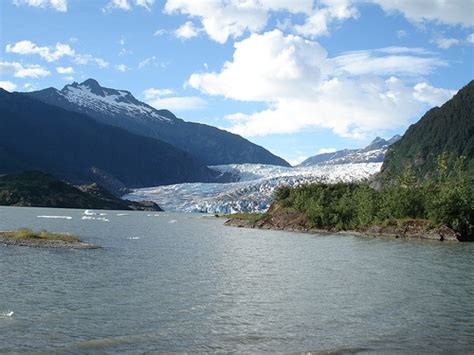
[[447, 198]]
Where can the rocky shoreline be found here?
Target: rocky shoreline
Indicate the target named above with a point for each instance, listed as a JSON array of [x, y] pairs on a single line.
[[294, 221]]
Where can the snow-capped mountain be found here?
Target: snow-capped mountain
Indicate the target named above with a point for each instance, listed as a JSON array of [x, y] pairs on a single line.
[[120, 108], [373, 153], [253, 191]]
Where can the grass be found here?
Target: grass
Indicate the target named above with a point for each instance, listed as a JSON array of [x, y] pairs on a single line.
[[28, 234], [251, 217]]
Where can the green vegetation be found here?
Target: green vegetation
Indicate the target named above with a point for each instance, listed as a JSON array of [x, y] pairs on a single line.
[[447, 198], [250, 217], [448, 129], [28, 234]]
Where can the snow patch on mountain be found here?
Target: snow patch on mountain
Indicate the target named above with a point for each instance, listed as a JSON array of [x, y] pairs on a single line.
[[91, 96], [253, 191]]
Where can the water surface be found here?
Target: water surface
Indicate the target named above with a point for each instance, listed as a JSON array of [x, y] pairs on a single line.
[[180, 282]]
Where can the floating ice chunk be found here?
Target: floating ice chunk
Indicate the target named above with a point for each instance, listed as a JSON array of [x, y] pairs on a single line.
[[95, 218], [89, 213], [7, 314], [55, 217]]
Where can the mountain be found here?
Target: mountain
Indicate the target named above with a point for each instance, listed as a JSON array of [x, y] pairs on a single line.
[[34, 188], [373, 153], [121, 109], [74, 147], [449, 128]]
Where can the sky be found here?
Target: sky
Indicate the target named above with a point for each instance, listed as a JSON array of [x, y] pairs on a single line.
[[298, 77]]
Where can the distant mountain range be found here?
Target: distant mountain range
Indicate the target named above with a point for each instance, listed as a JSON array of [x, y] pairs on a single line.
[[120, 108], [448, 129], [373, 153]]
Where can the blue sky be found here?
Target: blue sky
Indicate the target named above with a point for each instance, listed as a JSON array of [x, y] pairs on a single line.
[[296, 77]]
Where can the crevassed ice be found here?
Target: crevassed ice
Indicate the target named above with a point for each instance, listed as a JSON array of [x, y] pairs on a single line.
[[253, 192]]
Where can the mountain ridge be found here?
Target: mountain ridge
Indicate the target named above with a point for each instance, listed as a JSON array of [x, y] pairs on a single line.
[[120, 108], [372, 153], [447, 129], [74, 147]]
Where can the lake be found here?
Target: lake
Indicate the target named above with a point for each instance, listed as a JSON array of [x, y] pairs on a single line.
[[182, 282]]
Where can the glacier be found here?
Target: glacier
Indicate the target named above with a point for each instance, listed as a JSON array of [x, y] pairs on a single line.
[[253, 190]]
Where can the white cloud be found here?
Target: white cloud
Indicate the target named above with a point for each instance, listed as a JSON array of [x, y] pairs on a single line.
[[7, 85], [431, 95], [85, 59], [118, 4], [152, 62], [152, 93], [160, 32], [65, 70], [29, 87], [326, 150], [264, 67], [59, 5], [160, 99], [121, 67], [470, 38], [304, 88], [50, 55], [387, 61], [126, 5], [19, 70], [232, 18], [450, 12], [445, 43], [317, 23], [187, 30], [147, 4]]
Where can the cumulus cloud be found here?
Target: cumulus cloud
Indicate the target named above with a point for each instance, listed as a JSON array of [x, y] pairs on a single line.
[[232, 18], [470, 38], [161, 99], [317, 23], [49, 54], [7, 85], [303, 87], [224, 19], [65, 70], [187, 30], [19, 70], [59, 5]]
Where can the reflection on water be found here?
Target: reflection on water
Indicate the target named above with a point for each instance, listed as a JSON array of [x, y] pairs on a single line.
[[177, 282]]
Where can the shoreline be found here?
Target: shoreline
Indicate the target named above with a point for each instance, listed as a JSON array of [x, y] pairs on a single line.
[[291, 221]]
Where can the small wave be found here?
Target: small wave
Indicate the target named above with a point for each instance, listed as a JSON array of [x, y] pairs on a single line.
[[122, 214], [89, 213], [133, 238], [7, 314], [55, 217], [172, 221]]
